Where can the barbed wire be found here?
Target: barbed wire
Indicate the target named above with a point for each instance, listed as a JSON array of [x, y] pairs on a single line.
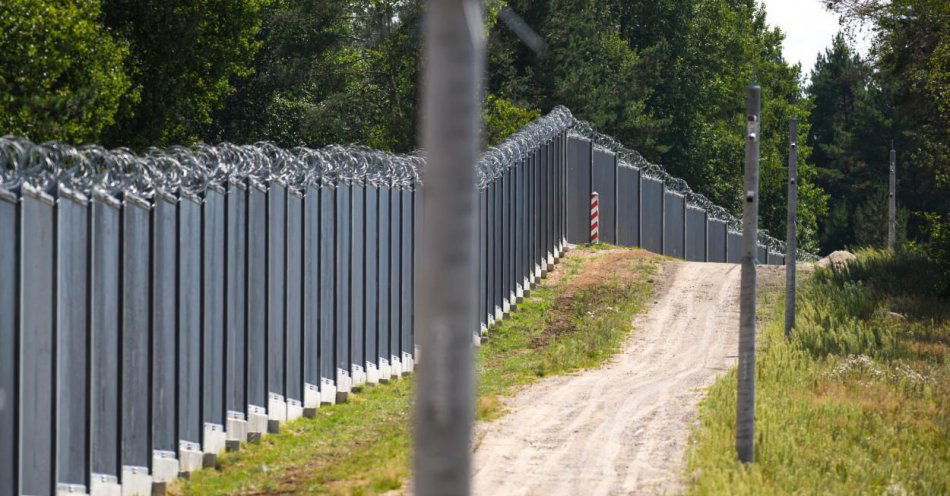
[[627, 157], [192, 170]]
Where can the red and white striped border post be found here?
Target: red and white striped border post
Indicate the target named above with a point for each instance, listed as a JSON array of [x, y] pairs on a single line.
[[594, 218]]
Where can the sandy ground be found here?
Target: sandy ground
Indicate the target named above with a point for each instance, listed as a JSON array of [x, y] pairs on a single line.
[[622, 428]]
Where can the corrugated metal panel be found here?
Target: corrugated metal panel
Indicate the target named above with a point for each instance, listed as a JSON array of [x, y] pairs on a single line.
[[695, 234], [135, 354], [628, 206], [72, 249], [604, 182], [9, 264], [578, 190], [104, 307], [651, 215], [717, 240]]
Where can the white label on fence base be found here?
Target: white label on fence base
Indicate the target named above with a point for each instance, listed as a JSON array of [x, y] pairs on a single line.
[[311, 395], [372, 373], [359, 375], [327, 391], [395, 365], [136, 481], [276, 407], [294, 409], [256, 419], [384, 371], [104, 485], [164, 466], [343, 381], [213, 438]]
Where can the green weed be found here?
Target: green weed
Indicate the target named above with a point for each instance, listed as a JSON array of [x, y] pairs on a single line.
[[575, 318], [855, 403]]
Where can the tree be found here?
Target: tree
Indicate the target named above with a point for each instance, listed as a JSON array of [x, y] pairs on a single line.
[[184, 54], [61, 71], [910, 58]]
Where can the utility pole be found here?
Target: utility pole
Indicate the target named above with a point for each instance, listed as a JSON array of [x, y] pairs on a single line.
[[745, 397], [446, 308], [892, 203], [791, 235]]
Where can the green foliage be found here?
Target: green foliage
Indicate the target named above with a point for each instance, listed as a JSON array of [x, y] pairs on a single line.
[[183, 56], [61, 72], [668, 79], [900, 95], [502, 118], [828, 420]]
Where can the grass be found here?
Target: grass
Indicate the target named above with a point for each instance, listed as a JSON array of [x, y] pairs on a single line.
[[576, 318], [857, 402]]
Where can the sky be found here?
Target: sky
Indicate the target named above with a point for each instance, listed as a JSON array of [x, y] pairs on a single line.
[[808, 27]]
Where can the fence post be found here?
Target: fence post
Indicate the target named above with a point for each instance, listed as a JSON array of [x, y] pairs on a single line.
[[594, 218], [444, 403], [791, 240], [892, 202], [745, 401]]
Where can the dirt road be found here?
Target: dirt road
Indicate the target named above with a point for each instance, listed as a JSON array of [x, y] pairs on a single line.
[[622, 428]]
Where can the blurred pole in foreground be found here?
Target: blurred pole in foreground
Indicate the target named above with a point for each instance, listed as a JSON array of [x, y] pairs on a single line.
[[444, 390], [791, 240], [892, 203], [745, 399]]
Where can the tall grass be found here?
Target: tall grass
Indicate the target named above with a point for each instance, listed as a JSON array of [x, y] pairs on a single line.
[[857, 402]]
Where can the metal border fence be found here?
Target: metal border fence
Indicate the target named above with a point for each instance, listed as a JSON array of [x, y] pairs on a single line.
[[640, 210], [158, 309]]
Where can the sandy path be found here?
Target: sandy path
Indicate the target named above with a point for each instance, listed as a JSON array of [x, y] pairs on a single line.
[[622, 428]]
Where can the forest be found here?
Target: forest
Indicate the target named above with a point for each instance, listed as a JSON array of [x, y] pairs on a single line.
[[665, 77]]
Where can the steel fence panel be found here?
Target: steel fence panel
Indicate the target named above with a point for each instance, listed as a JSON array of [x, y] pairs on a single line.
[[505, 254], [673, 224], [395, 305], [578, 190], [9, 268], [293, 351], [164, 254], [72, 270], [385, 230], [406, 269], [235, 303], [733, 247], [604, 182], [311, 291], [37, 231], [651, 214], [695, 234], [256, 296], [541, 200], [327, 287], [372, 279], [628, 206], [482, 240], [104, 348], [213, 284], [488, 219], [357, 280], [521, 231], [774, 258], [761, 255], [716, 243], [276, 294], [497, 250], [134, 352], [343, 255], [189, 320]]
